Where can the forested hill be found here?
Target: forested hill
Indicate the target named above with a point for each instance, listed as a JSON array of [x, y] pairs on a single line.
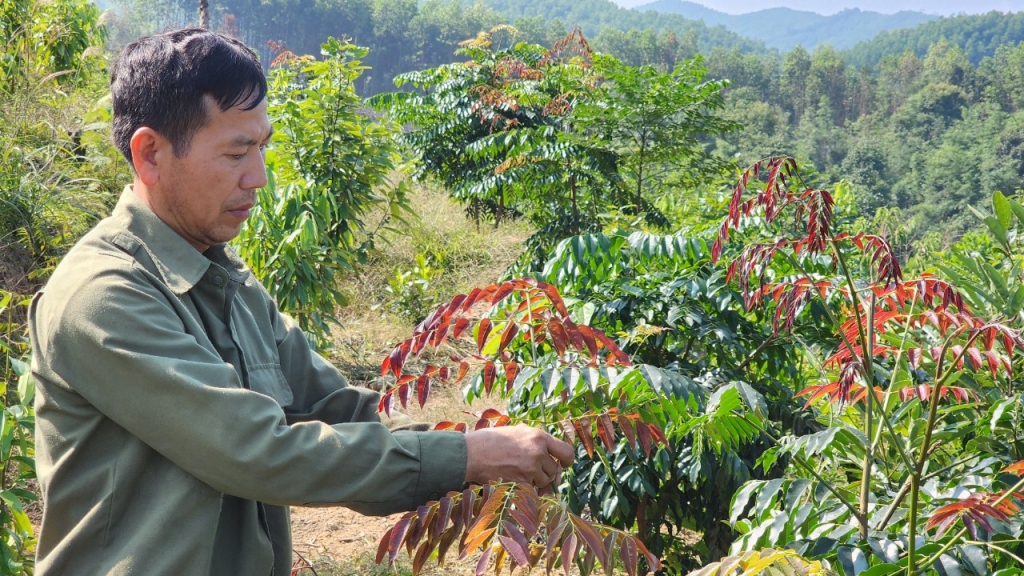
[[785, 28], [978, 35], [595, 16]]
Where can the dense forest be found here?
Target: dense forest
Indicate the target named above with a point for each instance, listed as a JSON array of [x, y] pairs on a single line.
[[927, 120]]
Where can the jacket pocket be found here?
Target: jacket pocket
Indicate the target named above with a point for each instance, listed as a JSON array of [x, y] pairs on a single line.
[[269, 380]]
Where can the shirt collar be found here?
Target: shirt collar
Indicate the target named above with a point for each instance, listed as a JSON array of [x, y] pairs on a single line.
[[179, 263]]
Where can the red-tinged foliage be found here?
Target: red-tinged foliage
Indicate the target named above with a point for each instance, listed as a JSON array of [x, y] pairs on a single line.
[[1017, 468], [924, 392], [504, 311], [836, 393], [510, 522], [976, 510]]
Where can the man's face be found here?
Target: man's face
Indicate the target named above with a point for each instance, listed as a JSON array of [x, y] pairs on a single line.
[[209, 191]]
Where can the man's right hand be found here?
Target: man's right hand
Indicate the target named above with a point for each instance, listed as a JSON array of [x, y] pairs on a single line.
[[516, 454]]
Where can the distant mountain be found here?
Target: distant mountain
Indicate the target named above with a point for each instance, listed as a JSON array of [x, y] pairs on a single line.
[[784, 28]]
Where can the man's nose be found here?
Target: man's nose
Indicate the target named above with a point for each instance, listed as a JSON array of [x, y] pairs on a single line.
[[255, 176]]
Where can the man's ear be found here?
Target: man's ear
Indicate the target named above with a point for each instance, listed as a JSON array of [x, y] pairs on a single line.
[[150, 152]]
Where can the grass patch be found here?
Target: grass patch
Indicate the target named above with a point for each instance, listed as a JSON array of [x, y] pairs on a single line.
[[460, 257]]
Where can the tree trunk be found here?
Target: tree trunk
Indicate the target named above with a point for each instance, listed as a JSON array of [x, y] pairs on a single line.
[[204, 14]]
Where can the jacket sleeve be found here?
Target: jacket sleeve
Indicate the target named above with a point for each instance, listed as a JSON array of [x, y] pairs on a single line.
[[118, 342], [319, 389]]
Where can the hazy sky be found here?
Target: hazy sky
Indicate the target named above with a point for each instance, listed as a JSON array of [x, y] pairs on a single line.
[[943, 7]]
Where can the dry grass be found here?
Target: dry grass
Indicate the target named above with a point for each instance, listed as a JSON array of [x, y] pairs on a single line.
[[465, 257]]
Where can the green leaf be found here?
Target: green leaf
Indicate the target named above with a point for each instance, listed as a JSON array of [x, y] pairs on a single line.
[[20, 367], [26, 388], [997, 229], [852, 560], [882, 570], [973, 557], [1002, 208]]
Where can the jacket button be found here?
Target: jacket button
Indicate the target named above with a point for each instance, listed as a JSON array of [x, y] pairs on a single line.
[[218, 280], [434, 496]]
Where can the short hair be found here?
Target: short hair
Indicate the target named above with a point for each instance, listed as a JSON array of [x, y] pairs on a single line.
[[160, 81]]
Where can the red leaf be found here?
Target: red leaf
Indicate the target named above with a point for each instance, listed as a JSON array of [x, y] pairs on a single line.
[[387, 403], [589, 339], [574, 335], [481, 564], [914, 357], [441, 332], [975, 357], [586, 434], [658, 435], [569, 547], [382, 547], [552, 293], [512, 370], [463, 370], [502, 292], [558, 336], [483, 331], [397, 535], [489, 374], [422, 389], [394, 362], [403, 395], [606, 432], [644, 434], [626, 425], [514, 550], [510, 332], [590, 536], [460, 326], [627, 551], [612, 347], [569, 430]]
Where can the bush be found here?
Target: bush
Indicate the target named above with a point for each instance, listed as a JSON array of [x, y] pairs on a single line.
[[328, 166]]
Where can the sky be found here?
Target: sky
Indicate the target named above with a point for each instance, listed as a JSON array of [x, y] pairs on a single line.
[[826, 7]]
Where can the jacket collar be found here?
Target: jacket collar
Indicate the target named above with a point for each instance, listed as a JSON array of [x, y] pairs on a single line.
[[178, 262]]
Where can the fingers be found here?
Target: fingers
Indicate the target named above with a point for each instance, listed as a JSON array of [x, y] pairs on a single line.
[[563, 452]]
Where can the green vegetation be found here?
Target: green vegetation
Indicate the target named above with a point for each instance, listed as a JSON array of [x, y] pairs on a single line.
[[54, 180], [562, 136], [327, 166]]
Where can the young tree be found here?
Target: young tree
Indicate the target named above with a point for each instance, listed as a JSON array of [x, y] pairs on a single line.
[[655, 122]]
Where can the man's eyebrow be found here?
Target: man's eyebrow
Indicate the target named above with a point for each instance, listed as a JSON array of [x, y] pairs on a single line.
[[247, 141]]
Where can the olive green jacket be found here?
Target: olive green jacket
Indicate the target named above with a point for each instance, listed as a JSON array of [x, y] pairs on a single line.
[[179, 413]]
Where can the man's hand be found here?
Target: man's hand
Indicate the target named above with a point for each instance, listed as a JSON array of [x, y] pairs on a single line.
[[516, 454]]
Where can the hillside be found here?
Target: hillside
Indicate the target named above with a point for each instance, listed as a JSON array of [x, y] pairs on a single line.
[[784, 28], [593, 16], [978, 35]]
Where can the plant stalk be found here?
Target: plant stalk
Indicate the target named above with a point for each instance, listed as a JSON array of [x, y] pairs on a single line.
[[933, 408]]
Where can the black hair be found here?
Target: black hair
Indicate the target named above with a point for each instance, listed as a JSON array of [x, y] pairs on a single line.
[[160, 81]]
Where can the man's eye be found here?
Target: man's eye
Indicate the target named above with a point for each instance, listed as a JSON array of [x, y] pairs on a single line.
[[237, 156]]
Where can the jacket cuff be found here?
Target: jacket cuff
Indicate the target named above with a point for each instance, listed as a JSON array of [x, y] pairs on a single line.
[[442, 464]]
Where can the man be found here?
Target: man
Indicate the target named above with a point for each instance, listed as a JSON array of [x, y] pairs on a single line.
[[178, 412]]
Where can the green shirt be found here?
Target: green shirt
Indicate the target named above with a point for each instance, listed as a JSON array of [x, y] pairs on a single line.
[[179, 413]]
